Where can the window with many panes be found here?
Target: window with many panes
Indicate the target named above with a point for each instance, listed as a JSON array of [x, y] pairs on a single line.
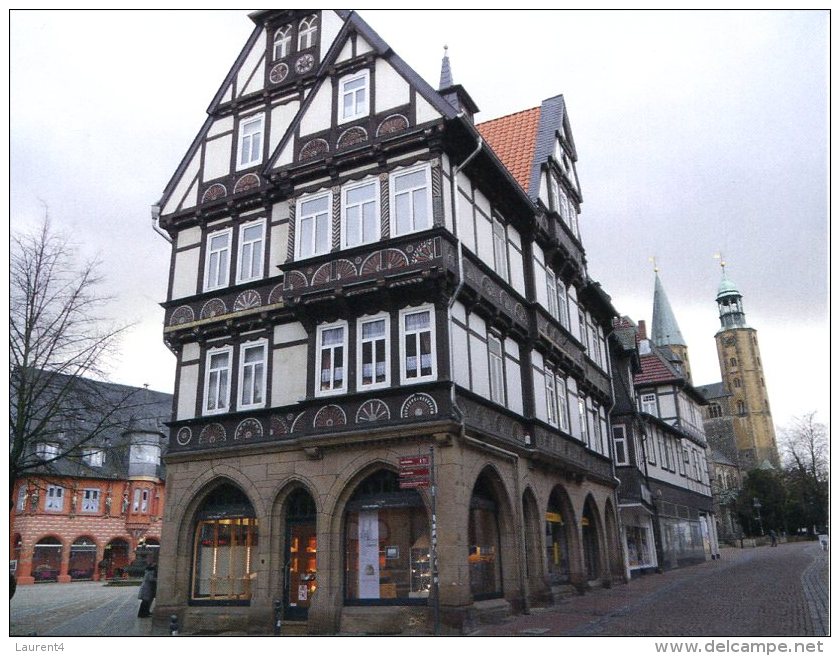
[[622, 457], [46, 450], [90, 500], [217, 260], [217, 380], [251, 250], [584, 426], [500, 255], [307, 32], [417, 335], [252, 374], [360, 213], [497, 372], [55, 498], [562, 404], [411, 208], [314, 233], [353, 96], [282, 41], [331, 359], [563, 304], [550, 398], [141, 500], [373, 352], [250, 141], [551, 292], [649, 403]]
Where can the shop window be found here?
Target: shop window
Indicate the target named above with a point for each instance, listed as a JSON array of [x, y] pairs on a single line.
[[82, 559], [556, 539], [591, 552], [484, 557], [225, 544], [46, 560], [386, 544]]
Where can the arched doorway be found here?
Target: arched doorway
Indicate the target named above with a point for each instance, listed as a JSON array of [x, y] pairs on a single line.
[[386, 544], [82, 559], [591, 547], [300, 562], [225, 539], [559, 523], [46, 560], [484, 558], [116, 558]]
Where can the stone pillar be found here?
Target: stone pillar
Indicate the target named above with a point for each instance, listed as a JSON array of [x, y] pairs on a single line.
[[64, 572]]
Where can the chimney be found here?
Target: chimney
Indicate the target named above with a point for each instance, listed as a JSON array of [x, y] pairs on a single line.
[[642, 330]]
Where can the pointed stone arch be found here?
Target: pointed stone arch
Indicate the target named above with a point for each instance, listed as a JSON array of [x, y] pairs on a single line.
[[592, 541], [563, 550]]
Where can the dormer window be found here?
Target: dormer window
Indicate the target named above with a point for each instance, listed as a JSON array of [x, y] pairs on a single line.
[[92, 457], [307, 32], [46, 450], [354, 96], [282, 41]]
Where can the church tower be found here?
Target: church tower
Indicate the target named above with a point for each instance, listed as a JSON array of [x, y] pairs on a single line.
[[742, 375], [664, 330]]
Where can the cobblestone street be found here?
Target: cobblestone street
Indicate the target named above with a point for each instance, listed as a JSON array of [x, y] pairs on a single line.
[[763, 592]]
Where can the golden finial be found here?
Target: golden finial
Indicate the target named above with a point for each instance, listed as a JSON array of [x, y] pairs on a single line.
[[655, 268], [719, 256]]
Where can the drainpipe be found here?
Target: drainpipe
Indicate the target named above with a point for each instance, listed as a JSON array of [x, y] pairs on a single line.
[[453, 194], [155, 226]]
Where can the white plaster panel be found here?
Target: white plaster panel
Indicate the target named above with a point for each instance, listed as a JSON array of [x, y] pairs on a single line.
[[512, 348], [460, 356], [537, 360], [574, 413], [391, 88], [346, 52], [539, 394], [191, 199], [484, 237], [289, 332], [228, 95], [279, 242], [362, 46], [539, 256], [574, 320], [517, 270], [513, 375], [187, 392], [447, 205], [217, 157], [286, 156], [331, 25], [254, 63], [513, 235], [483, 203], [221, 125], [540, 284], [466, 224], [543, 195], [459, 312], [190, 351], [479, 367], [189, 236], [288, 377], [318, 115], [425, 112], [281, 118], [185, 278], [183, 185], [477, 324], [667, 407]]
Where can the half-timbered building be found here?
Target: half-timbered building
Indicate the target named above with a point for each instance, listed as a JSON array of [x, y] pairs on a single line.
[[361, 277]]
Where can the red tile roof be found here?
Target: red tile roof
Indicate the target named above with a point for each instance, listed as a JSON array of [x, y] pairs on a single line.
[[653, 370], [513, 138]]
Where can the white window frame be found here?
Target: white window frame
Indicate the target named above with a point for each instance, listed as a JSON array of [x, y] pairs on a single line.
[[307, 32], [283, 40], [584, 423], [359, 108], [500, 249], [254, 248], [619, 435], [23, 495], [46, 450], [319, 350], [361, 341], [648, 404], [55, 498], [208, 373], [427, 189], [419, 378], [222, 277], [562, 304], [93, 457], [345, 206], [550, 397], [496, 368], [312, 250], [562, 403], [259, 377], [90, 499], [245, 142]]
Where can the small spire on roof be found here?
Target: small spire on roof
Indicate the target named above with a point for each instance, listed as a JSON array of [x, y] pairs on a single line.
[[445, 70], [655, 268]]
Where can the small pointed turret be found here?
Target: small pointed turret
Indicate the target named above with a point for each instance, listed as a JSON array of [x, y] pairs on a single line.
[[445, 70], [664, 330], [453, 93]]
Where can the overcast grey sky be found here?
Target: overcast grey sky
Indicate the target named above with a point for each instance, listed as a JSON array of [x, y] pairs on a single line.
[[697, 132]]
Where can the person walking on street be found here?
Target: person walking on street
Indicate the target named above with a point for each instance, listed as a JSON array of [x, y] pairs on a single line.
[[773, 542], [148, 588]]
